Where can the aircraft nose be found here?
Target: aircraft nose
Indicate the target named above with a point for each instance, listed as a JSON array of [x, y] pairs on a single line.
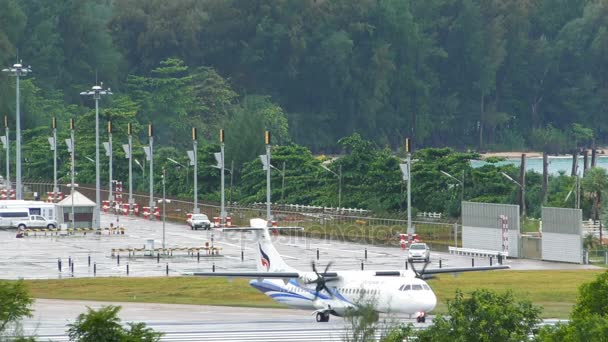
[[431, 301]]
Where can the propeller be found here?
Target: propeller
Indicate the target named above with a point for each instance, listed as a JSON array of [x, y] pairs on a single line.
[[420, 275], [321, 281]]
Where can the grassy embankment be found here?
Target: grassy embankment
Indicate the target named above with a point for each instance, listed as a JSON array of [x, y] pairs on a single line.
[[555, 291]]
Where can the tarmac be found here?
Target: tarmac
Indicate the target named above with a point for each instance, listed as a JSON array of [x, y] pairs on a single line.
[[37, 257]]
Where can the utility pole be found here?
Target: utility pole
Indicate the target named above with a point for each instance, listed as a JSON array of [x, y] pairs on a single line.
[[54, 146], [18, 70], [151, 149], [130, 133], [222, 164], [73, 150], [408, 151], [111, 197], [267, 141], [195, 162], [7, 146]]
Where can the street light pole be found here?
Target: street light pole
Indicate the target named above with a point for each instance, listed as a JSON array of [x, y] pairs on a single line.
[[151, 147], [72, 149], [7, 146], [18, 70], [460, 182], [222, 163], [339, 175], [523, 193], [110, 197], [164, 205], [97, 92], [267, 141], [130, 132], [55, 189], [195, 176]]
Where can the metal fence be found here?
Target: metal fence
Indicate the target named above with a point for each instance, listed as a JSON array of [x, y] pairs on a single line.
[[329, 224]]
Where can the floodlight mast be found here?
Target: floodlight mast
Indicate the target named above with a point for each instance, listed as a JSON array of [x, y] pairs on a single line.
[[96, 92], [18, 70]]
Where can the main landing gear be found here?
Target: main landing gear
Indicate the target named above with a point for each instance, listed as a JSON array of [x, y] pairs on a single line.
[[322, 316], [421, 317]]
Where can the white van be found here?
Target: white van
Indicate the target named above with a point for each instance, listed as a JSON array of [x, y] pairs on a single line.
[[10, 216]]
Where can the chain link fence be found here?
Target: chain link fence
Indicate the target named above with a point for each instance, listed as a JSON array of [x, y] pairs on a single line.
[[320, 223]]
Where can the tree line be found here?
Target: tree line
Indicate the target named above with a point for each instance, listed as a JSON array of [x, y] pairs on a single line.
[[333, 77], [499, 74]]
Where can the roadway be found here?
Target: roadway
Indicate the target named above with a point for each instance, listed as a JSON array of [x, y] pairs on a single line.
[[37, 257], [195, 322]]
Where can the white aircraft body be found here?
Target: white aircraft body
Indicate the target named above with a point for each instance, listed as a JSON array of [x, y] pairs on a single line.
[[333, 293]]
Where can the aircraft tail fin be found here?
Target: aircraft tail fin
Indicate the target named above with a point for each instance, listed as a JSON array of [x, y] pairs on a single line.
[[269, 259]]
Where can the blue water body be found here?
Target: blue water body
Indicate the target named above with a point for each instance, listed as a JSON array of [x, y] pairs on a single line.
[[556, 164]]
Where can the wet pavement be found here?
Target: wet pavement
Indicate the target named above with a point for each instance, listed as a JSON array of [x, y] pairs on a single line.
[[37, 257]]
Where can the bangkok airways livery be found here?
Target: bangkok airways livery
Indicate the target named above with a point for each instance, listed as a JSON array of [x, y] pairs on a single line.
[[333, 293]]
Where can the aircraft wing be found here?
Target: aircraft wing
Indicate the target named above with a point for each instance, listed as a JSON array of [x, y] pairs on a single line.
[[464, 269], [266, 275], [424, 272]]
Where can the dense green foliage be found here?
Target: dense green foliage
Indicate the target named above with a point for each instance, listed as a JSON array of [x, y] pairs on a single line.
[[105, 325], [446, 72], [15, 304], [486, 316], [589, 318], [497, 74]]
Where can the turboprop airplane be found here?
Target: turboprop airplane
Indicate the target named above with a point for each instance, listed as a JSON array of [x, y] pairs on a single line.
[[334, 293]]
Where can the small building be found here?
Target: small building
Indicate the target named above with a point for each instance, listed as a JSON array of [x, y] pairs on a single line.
[[82, 207]]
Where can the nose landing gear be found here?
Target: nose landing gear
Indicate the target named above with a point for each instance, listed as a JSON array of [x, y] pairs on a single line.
[[322, 316]]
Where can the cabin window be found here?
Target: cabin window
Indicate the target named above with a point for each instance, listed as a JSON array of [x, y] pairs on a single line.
[[416, 287]]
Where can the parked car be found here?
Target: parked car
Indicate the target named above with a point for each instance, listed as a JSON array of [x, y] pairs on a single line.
[[199, 221], [34, 221], [419, 252]]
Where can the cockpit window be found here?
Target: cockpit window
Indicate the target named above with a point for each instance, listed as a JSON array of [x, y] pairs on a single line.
[[406, 288], [416, 287], [426, 287]]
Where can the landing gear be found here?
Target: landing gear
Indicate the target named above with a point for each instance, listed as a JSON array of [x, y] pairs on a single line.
[[421, 318], [322, 316]]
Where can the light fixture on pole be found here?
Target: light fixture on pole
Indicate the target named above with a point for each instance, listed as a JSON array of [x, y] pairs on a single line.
[[53, 142], [282, 172], [143, 170], [222, 166], [339, 175], [108, 147], [266, 166], [71, 149], [150, 155], [128, 149], [460, 182], [18, 70], [7, 145], [164, 201], [523, 193], [407, 176], [97, 92]]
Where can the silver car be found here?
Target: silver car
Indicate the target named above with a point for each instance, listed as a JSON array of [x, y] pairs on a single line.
[[419, 252]]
